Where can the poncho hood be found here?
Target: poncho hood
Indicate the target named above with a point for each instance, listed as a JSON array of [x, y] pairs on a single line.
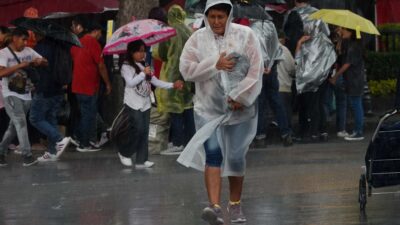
[[211, 3], [176, 15]]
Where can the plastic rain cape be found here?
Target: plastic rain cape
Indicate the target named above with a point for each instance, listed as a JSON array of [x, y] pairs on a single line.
[[266, 33], [317, 55], [198, 64], [171, 100]]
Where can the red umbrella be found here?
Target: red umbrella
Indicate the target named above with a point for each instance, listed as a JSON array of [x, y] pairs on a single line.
[[12, 9]]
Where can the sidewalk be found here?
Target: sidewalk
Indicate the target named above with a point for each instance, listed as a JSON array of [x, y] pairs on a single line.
[[370, 124]]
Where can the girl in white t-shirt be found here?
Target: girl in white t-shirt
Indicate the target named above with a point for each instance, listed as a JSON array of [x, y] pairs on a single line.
[[138, 80]]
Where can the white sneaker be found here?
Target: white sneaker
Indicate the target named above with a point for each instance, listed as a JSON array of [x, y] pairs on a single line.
[[103, 140], [145, 165], [174, 150], [12, 147], [62, 145], [125, 160], [342, 134], [47, 157], [75, 142], [88, 149], [261, 137], [354, 137]]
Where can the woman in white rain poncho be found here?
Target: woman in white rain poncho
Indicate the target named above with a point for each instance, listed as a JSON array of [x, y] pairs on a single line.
[[224, 104]]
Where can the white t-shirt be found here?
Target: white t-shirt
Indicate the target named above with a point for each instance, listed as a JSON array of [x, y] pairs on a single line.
[[7, 59], [131, 96]]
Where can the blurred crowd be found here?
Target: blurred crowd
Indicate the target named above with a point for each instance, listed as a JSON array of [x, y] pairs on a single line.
[[310, 70]]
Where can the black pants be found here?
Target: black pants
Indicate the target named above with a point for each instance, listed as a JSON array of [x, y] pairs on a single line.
[[138, 136], [4, 120], [312, 116]]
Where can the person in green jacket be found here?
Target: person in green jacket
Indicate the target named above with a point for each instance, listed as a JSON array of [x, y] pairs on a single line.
[[178, 104]]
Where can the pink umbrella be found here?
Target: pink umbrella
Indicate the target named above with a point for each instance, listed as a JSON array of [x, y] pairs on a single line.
[[149, 30]]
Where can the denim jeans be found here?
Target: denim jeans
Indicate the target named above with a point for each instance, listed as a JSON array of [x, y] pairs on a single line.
[[270, 95], [341, 105], [88, 111], [182, 127], [355, 103], [138, 136], [43, 116], [17, 110], [213, 151]]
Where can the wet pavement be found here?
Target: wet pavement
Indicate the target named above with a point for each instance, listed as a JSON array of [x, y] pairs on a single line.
[[303, 184]]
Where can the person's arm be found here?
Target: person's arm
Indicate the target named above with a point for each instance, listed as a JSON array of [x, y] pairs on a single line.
[[104, 75], [161, 84], [193, 69], [301, 42], [7, 71], [128, 73], [339, 73], [249, 88]]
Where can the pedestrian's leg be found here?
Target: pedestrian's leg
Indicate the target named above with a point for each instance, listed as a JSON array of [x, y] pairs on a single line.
[[235, 187], [213, 181], [262, 104], [177, 137], [189, 127], [88, 111], [142, 154], [276, 103], [341, 106], [8, 137], [323, 122], [287, 101], [212, 175], [17, 109], [356, 104], [314, 114], [4, 120], [43, 117]]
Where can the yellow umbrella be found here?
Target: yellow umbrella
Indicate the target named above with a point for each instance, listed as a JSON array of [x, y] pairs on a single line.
[[347, 19]]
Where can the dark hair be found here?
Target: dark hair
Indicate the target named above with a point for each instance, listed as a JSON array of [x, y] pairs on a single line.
[[79, 20], [19, 32], [132, 48], [4, 30], [158, 13], [220, 7], [94, 25], [302, 1]]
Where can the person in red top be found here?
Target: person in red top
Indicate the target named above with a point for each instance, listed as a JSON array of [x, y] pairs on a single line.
[[89, 68]]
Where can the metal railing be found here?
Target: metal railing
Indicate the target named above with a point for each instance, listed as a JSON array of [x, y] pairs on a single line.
[[389, 41]]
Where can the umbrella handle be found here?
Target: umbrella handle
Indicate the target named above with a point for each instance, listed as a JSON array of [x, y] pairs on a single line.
[[358, 32]]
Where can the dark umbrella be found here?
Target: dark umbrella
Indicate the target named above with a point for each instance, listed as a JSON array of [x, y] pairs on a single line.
[[48, 29], [241, 8], [250, 11], [265, 2]]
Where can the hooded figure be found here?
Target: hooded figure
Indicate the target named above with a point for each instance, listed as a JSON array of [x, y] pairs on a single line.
[[174, 101], [225, 62], [268, 37], [235, 129], [317, 55]]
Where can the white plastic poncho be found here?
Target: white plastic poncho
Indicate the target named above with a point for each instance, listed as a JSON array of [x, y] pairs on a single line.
[[213, 87], [266, 33], [317, 55]]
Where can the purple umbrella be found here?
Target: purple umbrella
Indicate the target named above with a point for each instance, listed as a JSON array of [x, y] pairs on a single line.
[[149, 30]]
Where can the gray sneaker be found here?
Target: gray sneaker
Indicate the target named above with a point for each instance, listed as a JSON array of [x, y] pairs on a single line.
[[212, 215], [236, 214]]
